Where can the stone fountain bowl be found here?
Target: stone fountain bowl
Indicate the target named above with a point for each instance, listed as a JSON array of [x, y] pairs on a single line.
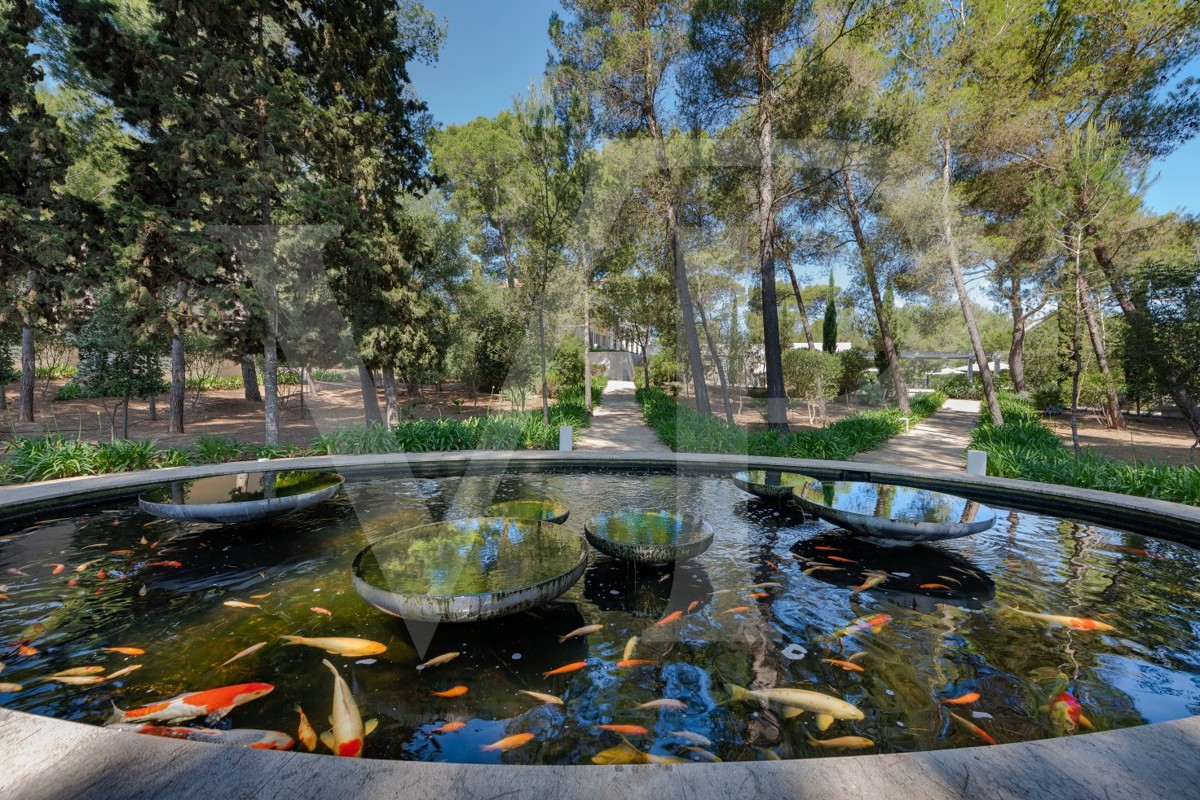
[[654, 536], [544, 510], [893, 513], [468, 570], [241, 497], [769, 484]]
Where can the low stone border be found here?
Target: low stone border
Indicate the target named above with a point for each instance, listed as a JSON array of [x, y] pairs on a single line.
[[49, 758]]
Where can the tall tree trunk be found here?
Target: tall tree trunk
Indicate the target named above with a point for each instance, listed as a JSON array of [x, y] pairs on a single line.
[[389, 395], [28, 371], [542, 351], [964, 300], [178, 374], [645, 345], [716, 357], [3, 395], [271, 344], [686, 311], [854, 213], [1076, 352], [808, 334], [510, 270], [1016, 350], [1116, 420], [271, 375], [772, 350], [152, 407], [250, 380], [370, 395], [125, 414], [1139, 320], [587, 331]]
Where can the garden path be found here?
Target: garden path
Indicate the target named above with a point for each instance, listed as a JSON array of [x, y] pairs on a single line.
[[940, 442], [617, 424]]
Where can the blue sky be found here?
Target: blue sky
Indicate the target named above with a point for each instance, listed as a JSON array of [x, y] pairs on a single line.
[[495, 48]]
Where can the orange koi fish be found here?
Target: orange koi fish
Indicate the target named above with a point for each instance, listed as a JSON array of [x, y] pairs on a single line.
[[736, 610], [319, 610], [842, 560], [211, 703], [450, 727], [454, 691], [825, 548], [665, 703], [871, 582], [306, 734], [238, 737], [165, 564], [574, 666], [57, 568], [849, 666], [973, 728], [873, 623], [962, 700], [692, 606], [509, 742], [84, 566], [347, 729], [1066, 711], [26, 650], [674, 616], [125, 651], [757, 595], [633, 662], [1078, 623], [624, 730]]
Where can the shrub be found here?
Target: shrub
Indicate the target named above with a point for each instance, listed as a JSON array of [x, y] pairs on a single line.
[[812, 376], [1048, 396], [69, 391], [209, 449], [854, 363], [664, 369]]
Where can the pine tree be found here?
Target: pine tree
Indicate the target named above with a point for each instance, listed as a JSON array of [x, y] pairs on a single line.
[[829, 327]]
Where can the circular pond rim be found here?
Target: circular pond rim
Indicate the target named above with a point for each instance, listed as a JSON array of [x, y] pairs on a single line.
[[470, 606], [106, 763], [244, 511]]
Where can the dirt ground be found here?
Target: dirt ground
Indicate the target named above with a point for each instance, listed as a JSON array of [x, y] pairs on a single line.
[[228, 413], [1162, 440]]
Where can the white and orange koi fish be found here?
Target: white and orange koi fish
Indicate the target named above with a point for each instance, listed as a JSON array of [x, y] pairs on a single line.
[[347, 731], [238, 737], [213, 704]]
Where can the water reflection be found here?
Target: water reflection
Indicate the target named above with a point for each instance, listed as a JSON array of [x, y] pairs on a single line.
[[615, 585]]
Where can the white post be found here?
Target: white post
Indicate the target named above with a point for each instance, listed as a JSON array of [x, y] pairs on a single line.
[[977, 462], [564, 438]]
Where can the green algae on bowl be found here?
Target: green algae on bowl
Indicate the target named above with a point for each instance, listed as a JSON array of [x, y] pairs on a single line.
[[649, 536], [544, 510], [240, 497], [469, 569]]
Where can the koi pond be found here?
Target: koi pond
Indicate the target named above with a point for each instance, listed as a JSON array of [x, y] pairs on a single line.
[[787, 638]]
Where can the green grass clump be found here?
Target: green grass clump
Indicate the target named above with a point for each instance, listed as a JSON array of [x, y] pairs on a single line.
[[685, 430], [55, 456], [1025, 448]]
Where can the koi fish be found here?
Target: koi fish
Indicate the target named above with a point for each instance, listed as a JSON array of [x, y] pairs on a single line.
[[674, 616], [842, 742], [76, 680], [849, 666], [318, 610], [1078, 623], [757, 595], [262, 596], [973, 728], [955, 581], [873, 623], [438, 660], [861, 654], [625, 753], [57, 568], [340, 645], [76, 671], [825, 548], [305, 732], [624, 730], [574, 666], [802, 699], [165, 564], [736, 610], [450, 727], [871, 582], [962, 700], [11, 687], [544, 698], [767, 585], [692, 606], [26, 650], [703, 754], [693, 738], [254, 648], [509, 742], [240, 604], [120, 552], [453, 691], [238, 737], [941, 586], [584, 631], [633, 662], [125, 651], [123, 671], [822, 568], [84, 565], [211, 703], [632, 643], [347, 729], [101, 575], [1067, 711], [842, 560], [665, 703]]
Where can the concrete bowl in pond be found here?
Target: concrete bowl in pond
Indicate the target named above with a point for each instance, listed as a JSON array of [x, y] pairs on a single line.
[[544, 510], [769, 484], [467, 570], [888, 512], [240, 497], [648, 535]]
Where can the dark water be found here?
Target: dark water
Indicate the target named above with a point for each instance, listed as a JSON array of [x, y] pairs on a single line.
[[940, 642]]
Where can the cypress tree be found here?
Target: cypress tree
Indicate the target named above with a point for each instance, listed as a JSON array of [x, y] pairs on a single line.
[[829, 327]]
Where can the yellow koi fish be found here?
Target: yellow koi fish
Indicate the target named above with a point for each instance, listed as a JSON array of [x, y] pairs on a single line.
[[842, 742], [584, 631], [436, 660], [802, 699], [340, 645], [347, 731], [542, 697], [1078, 623]]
